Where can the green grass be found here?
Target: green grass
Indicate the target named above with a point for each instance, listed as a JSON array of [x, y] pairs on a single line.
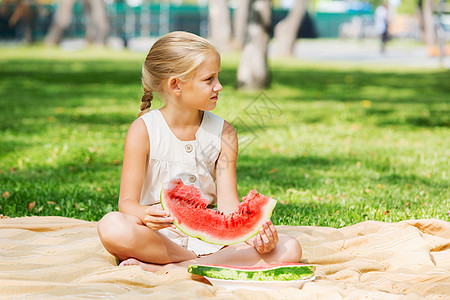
[[336, 145]]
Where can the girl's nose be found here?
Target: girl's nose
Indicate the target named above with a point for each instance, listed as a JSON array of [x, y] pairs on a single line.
[[217, 87]]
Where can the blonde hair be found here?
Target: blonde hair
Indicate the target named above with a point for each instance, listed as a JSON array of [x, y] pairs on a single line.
[[177, 54]]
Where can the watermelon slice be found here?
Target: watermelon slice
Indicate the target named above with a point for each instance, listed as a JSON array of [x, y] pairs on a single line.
[[191, 215], [273, 272]]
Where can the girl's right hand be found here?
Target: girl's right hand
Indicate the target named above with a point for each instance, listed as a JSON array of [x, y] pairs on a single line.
[[156, 218]]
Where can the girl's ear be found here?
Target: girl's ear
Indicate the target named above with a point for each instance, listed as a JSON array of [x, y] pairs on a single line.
[[173, 86]]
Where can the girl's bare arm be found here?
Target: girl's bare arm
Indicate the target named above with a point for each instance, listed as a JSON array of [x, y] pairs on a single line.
[[135, 161], [133, 170], [227, 193]]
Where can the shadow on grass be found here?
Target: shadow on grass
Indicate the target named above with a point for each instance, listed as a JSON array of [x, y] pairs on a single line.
[[104, 119], [408, 87], [306, 214], [83, 191], [283, 171], [277, 172], [431, 118]]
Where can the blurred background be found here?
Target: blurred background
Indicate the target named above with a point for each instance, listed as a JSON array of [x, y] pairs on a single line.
[[341, 107], [119, 24]]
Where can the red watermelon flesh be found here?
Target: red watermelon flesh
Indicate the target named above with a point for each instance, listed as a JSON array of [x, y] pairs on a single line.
[[191, 215]]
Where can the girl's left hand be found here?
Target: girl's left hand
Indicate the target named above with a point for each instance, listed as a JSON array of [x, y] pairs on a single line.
[[266, 239]]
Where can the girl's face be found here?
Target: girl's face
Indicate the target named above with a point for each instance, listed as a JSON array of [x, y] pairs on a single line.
[[202, 90]]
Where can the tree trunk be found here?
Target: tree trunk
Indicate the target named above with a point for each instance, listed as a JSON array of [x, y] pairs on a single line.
[[90, 27], [61, 20], [240, 22], [97, 26], [253, 70], [428, 23], [286, 30], [220, 24], [23, 17]]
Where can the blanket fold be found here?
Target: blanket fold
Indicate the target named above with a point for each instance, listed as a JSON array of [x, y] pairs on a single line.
[[53, 257]]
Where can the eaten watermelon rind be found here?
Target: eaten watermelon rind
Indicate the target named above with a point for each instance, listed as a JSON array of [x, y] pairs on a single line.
[[266, 212], [282, 272]]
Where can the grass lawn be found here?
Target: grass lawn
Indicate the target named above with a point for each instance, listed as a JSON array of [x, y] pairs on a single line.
[[336, 145]]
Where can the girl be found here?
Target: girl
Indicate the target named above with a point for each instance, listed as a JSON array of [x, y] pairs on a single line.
[[182, 139]]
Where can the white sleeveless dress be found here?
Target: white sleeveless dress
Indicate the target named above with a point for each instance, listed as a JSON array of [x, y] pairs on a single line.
[[192, 161]]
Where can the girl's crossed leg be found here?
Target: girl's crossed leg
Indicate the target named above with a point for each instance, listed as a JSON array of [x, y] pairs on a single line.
[[128, 239]]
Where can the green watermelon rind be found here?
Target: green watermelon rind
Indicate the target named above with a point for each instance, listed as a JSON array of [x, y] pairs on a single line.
[[281, 273], [206, 238]]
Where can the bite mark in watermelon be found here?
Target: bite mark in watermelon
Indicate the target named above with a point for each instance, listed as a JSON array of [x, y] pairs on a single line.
[[273, 272], [191, 215]]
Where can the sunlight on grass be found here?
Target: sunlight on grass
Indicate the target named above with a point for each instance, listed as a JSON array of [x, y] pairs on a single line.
[[334, 144]]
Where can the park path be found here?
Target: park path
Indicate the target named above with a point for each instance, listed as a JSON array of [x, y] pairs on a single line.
[[401, 53], [367, 51]]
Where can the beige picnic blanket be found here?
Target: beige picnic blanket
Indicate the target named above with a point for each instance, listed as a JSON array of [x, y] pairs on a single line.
[[54, 258]]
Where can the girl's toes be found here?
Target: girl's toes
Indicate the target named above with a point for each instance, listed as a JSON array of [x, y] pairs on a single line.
[[129, 262]]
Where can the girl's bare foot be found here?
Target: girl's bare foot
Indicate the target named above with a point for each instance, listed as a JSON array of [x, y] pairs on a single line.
[[147, 266], [129, 262], [144, 266]]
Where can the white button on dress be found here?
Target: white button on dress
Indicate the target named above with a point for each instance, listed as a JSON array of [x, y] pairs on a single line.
[[192, 178]]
